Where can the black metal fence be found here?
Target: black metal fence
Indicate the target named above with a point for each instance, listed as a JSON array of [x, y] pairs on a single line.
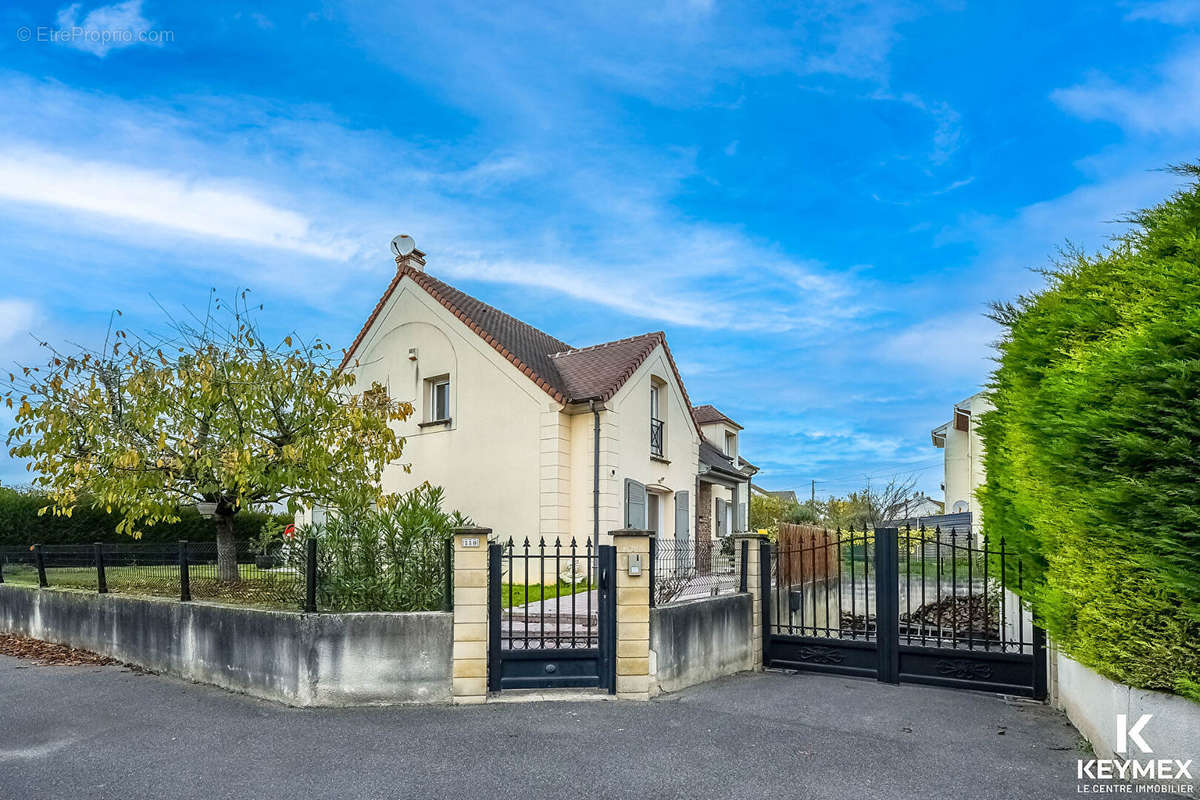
[[686, 569], [290, 576], [954, 590], [546, 595]]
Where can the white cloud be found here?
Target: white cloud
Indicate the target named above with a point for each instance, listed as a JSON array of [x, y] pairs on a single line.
[[106, 28], [1172, 106], [16, 318], [290, 184], [194, 205], [958, 343], [1172, 12], [853, 39]]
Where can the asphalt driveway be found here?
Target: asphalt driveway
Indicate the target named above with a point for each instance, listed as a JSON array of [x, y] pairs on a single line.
[[105, 732]]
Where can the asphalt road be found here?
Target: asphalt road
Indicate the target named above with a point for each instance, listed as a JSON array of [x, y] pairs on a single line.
[[104, 732]]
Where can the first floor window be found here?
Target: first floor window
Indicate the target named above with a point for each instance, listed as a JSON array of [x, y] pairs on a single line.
[[439, 399], [657, 426]]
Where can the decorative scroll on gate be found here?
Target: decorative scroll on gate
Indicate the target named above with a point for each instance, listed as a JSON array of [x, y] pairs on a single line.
[[915, 605]]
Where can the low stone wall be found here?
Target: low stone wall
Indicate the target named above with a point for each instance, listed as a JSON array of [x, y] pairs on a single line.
[[298, 659], [1092, 703], [697, 640]]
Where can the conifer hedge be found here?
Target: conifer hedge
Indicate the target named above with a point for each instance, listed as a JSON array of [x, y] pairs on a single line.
[[1093, 450], [21, 525]]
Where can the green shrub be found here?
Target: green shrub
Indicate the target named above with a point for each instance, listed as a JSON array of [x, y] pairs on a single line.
[[1093, 450], [389, 559], [21, 525]]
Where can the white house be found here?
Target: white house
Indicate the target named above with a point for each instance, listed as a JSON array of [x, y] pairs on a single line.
[[533, 437], [964, 470]]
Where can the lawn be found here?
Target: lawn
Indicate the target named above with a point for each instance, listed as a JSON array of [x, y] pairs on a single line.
[[522, 594], [264, 588]]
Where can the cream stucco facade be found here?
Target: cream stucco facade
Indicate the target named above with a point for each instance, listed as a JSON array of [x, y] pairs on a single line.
[[963, 448], [488, 457], [625, 452], [508, 453]]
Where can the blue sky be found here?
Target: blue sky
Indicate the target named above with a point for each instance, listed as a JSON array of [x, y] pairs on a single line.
[[814, 201]]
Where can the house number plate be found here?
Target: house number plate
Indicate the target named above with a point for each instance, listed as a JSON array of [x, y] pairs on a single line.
[[470, 541]]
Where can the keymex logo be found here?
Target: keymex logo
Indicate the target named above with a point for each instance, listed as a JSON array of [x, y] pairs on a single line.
[[1128, 769], [1126, 733]]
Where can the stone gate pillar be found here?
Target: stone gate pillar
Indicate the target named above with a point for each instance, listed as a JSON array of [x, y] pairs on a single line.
[[469, 683], [754, 572], [633, 615]]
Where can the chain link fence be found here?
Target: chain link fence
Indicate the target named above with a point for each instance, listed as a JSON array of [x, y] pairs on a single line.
[[686, 569]]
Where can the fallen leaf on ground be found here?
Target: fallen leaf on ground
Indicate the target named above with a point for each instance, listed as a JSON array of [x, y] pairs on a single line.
[[48, 653]]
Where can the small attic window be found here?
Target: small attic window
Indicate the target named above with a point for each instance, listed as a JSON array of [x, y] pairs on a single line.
[[437, 408]]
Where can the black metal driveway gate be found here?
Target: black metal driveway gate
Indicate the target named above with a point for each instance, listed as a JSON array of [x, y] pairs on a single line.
[[912, 605], [552, 616]]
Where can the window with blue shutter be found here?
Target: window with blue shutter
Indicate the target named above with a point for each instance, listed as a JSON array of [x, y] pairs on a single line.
[[635, 504], [683, 549], [682, 515]]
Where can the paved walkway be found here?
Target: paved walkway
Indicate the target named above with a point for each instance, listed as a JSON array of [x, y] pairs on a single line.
[[103, 732]]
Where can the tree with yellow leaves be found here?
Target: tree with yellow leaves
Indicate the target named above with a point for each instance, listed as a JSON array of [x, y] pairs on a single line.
[[209, 414]]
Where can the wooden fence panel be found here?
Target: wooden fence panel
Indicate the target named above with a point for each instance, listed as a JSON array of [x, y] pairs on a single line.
[[807, 553]]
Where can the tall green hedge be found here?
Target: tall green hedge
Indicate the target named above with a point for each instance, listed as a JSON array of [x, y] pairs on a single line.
[[1093, 451], [21, 525]]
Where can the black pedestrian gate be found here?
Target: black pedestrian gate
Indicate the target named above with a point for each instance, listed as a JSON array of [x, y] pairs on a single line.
[[552, 616], [912, 605]]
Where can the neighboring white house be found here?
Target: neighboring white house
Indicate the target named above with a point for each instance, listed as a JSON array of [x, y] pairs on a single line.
[[534, 438], [724, 488], [917, 506], [964, 471]]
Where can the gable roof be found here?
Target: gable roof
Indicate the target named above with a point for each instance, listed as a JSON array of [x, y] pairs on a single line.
[[597, 372], [715, 459], [707, 414], [566, 373]]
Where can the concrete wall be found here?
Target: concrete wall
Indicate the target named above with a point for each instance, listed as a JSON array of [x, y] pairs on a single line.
[[698, 640], [299, 659], [1092, 703]]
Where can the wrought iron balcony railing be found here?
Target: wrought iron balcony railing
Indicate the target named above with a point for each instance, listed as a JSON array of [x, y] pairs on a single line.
[[656, 437]]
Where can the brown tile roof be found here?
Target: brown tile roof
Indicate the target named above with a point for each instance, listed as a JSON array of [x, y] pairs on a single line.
[[707, 414], [597, 372], [525, 346], [567, 374]]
